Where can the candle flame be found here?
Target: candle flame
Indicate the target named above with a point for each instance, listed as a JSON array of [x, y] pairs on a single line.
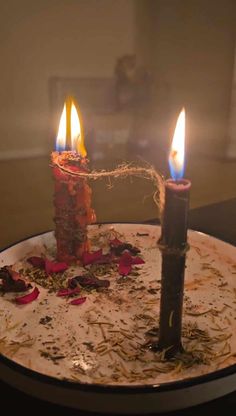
[[61, 136], [70, 132], [177, 151]]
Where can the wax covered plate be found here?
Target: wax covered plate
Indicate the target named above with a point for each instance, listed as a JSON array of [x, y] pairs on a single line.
[[94, 354]]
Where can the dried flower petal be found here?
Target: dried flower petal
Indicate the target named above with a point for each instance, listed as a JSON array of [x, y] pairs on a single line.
[[49, 265], [37, 261], [23, 300], [126, 261], [91, 258], [138, 260], [12, 281], [55, 267], [68, 292], [124, 270], [125, 264], [78, 301], [96, 257], [89, 282]]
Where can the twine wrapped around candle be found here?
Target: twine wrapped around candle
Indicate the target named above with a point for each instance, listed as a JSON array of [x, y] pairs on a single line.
[[122, 171]]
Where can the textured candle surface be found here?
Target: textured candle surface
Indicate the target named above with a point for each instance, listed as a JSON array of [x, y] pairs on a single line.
[[72, 204]]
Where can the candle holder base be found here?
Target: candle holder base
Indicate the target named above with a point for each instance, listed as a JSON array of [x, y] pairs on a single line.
[[93, 356], [167, 353]]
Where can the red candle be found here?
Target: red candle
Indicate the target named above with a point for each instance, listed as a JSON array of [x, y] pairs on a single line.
[[173, 244], [72, 195]]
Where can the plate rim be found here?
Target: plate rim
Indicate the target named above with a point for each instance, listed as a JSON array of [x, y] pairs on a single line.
[[118, 389]]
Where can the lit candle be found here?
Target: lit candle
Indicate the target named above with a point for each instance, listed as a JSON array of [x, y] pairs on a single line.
[[173, 244], [72, 197]]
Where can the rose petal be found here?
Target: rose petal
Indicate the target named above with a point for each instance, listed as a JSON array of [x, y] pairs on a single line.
[[124, 270], [12, 281], [48, 265], [126, 261], [78, 301], [68, 292], [91, 258], [54, 267], [125, 264], [37, 261], [138, 260], [96, 257], [23, 300]]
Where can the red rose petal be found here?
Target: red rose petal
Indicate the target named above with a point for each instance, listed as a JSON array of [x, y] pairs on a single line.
[[49, 265], [91, 258], [23, 300], [68, 292], [124, 270], [138, 260], [37, 261], [125, 264], [126, 261], [78, 301], [96, 257], [54, 267]]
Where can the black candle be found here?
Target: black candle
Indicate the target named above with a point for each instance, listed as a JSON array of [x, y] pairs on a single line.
[[173, 245]]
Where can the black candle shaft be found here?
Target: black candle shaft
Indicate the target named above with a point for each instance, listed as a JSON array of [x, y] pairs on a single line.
[[175, 218], [173, 243]]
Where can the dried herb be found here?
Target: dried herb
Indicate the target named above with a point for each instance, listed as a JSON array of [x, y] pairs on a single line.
[[45, 320]]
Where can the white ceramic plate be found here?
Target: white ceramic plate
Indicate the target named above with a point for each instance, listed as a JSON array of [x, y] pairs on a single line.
[[91, 357]]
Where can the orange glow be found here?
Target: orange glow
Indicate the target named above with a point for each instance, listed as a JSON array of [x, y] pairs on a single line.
[[70, 132], [177, 151]]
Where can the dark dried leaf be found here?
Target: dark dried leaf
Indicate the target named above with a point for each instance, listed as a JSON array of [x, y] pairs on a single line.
[[37, 261], [12, 281], [88, 282]]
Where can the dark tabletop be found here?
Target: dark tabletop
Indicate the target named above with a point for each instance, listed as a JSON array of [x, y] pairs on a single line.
[[218, 220]]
